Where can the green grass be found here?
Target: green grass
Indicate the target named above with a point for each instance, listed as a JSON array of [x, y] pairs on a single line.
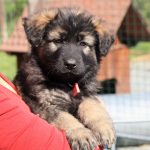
[[142, 48], [8, 65]]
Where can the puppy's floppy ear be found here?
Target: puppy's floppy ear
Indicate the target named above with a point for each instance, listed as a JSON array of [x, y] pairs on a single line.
[[35, 26], [105, 38]]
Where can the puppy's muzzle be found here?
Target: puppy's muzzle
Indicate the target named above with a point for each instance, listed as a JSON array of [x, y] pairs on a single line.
[[70, 64]]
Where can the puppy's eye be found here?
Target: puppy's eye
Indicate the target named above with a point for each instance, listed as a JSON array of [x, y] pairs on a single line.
[[58, 41], [80, 38], [63, 36], [83, 43], [62, 40]]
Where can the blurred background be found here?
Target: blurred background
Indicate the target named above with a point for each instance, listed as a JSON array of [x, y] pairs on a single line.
[[125, 72]]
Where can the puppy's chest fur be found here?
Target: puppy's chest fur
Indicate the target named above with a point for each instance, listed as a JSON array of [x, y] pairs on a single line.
[[40, 92], [62, 96]]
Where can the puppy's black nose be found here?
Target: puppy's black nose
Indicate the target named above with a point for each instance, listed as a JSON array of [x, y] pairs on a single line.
[[70, 64]]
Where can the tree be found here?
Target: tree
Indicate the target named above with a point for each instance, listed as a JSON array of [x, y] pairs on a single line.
[[144, 7]]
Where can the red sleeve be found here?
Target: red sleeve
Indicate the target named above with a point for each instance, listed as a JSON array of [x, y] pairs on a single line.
[[22, 130]]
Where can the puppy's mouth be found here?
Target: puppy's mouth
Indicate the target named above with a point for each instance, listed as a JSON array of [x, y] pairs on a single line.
[[71, 76], [67, 77]]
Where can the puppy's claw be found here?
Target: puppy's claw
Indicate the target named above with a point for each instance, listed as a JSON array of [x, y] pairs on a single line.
[[105, 135], [82, 139]]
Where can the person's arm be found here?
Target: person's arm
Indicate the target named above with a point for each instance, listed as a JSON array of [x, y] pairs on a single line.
[[22, 130], [5, 84]]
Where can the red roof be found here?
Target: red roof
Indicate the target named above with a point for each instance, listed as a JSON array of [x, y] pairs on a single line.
[[112, 11]]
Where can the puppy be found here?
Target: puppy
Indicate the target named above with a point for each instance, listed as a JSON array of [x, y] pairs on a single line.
[[58, 78]]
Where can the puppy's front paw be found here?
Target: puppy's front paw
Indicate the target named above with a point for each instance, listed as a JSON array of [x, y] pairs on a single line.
[[105, 133], [82, 139]]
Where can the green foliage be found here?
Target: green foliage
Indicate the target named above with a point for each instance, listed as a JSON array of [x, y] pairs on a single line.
[[144, 7], [8, 65], [13, 10], [142, 46]]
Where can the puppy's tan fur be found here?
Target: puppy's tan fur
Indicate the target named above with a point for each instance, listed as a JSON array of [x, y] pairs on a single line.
[[45, 76], [93, 114]]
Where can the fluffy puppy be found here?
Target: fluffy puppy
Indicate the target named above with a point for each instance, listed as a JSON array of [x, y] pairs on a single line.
[[58, 78]]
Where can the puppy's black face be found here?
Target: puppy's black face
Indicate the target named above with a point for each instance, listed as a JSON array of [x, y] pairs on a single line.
[[69, 47], [69, 44]]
